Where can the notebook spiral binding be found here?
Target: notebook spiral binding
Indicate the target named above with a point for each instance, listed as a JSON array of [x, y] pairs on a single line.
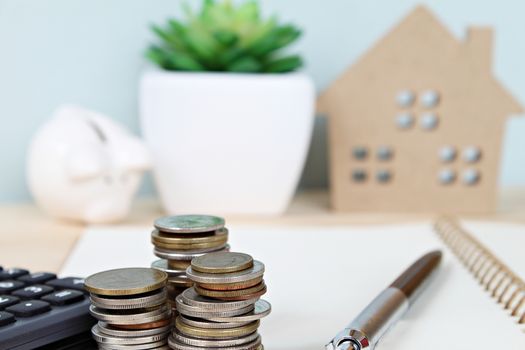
[[504, 286]]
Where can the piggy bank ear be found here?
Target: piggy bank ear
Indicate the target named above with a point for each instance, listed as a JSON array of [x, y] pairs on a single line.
[[84, 162]]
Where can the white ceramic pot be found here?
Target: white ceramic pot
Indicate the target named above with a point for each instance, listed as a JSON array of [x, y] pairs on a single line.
[[227, 143]]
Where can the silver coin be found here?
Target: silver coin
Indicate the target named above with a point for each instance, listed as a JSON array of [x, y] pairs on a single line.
[[119, 318], [210, 324], [184, 339], [162, 265], [129, 303], [191, 298], [262, 309], [204, 313], [106, 328], [245, 275], [254, 345], [101, 337], [189, 223], [159, 345], [164, 346], [187, 255], [123, 347], [220, 343]]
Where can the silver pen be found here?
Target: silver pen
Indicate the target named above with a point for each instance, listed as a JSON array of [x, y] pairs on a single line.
[[365, 331]]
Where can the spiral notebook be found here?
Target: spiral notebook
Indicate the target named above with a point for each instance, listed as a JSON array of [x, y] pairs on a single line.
[[319, 278]]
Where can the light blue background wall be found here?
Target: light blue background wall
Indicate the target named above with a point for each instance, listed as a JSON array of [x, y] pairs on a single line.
[[90, 53]]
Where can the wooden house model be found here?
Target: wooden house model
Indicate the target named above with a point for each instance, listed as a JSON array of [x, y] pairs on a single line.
[[417, 123]]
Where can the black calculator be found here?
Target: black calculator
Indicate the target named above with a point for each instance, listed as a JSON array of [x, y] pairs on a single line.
[[40, 311]]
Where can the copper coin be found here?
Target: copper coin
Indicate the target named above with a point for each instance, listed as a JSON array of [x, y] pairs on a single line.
[[192, 246], [150, 325], [220, 294], [255, 295], [230, 286], [187, 238], [179, 264]]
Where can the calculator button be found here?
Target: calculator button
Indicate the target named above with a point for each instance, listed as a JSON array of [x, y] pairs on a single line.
[[9, 286], [32, 292], [6, 318], [64, 297], [75, 283], [37, 277], [29, 308], [12, 273], [7, 300]]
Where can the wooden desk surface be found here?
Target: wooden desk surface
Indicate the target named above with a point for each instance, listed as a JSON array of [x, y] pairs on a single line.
[[31, 239]]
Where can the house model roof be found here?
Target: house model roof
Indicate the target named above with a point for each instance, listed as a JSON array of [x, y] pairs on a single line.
[[421, 44]]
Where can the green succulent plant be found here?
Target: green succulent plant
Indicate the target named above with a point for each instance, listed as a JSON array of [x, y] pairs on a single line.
[[225, 37]]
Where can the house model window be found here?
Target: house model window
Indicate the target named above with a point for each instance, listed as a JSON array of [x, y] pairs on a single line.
[[359, 175], [383, 176], [447, 154], [429, 99], [471, 177], [471, 154], [385, 153], [446, 176], [405, 98], [360, 152], [429, 121], [405, 120]]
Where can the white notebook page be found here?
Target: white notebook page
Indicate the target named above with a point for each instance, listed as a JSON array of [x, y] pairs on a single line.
[[320, 277]]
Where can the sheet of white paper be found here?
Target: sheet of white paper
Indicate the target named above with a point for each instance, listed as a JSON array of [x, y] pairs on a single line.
[[320, 277]]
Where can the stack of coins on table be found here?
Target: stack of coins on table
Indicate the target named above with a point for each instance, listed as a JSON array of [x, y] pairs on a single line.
[[130, 305], [179, 239], [223, 309]]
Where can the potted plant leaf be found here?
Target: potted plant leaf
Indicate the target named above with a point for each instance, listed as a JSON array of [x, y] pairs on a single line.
[[227, 119]]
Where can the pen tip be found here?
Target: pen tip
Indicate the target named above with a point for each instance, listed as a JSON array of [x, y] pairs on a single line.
[[346, 346]]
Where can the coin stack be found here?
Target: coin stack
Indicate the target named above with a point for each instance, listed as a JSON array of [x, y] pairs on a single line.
[[179, 239], [130, 305], [223, 309]]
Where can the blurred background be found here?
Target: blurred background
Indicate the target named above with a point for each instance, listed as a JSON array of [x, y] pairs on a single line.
[[91, 53]]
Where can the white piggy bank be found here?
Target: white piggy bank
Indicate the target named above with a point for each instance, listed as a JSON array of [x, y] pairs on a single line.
[[83, 166]]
